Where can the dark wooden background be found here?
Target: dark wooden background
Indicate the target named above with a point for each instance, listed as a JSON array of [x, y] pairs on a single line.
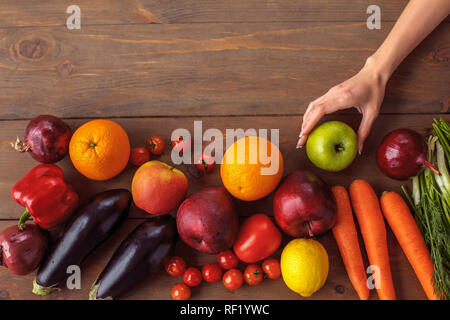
[[154, 66]]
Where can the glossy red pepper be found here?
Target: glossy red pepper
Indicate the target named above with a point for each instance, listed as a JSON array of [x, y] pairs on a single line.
[[45, 196]]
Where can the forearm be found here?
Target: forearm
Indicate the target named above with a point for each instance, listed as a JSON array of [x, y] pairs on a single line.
[[417, 20]]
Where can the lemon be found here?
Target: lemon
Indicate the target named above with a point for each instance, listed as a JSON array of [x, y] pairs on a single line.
[[304, 266]]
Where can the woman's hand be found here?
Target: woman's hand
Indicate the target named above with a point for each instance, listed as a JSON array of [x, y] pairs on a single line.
[[364, 91]]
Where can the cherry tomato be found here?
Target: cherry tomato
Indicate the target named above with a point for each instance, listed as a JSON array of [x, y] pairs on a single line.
[[192, 277], [180, 144], [257, 239], [205, 163], [176, 266], [233, 279], [180, 291], [272, 268], [253, 274], [227, 259], [156, 145], [212, 272], [139, 156]]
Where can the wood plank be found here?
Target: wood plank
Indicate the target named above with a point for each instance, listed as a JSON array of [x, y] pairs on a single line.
[[15, 165], [205, 69], [158, 286], [53, 12]]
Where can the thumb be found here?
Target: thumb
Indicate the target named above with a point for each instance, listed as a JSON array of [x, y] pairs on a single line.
[[364, 129]]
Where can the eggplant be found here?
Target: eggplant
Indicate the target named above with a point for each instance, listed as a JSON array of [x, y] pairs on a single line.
[[137, 257], [94, 222]]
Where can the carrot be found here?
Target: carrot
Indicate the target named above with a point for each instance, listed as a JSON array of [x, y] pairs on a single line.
[[368, 213], [410, 238], [344, 231]]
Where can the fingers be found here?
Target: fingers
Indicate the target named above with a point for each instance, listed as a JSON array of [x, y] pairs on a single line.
[[364, 128]]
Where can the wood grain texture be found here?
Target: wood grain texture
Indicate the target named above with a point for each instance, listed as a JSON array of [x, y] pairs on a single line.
[[53, 12], [158, 286], [205, 69], [15, 165]]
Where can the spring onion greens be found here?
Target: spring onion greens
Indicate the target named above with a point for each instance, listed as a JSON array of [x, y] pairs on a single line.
[[430, 201]]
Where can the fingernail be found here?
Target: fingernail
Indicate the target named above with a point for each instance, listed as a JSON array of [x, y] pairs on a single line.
[[299, 143]]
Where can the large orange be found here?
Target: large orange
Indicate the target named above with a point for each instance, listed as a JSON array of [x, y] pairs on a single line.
[[243, 169], [100, 149]]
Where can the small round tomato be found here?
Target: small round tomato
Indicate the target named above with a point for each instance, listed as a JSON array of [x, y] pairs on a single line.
[[253, 274], [192, 277], [227, 259], [180, 144], [176, 266], [180, 291], [156, 145], [233, 279], [139, 156], [205, 163], [272, 268], [212, 272]]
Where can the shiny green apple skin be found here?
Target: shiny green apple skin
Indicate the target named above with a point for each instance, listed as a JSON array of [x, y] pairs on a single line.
[[332, 146]]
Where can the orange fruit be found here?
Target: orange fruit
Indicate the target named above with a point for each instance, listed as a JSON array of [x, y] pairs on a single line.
[[249, 175], [99, 149]]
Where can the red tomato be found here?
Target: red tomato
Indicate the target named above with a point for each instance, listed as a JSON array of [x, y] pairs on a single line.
[[139, 156], [272, 268], [180, 144], [180, 291], [212, 272], [233, 279], [227, 259], [253, 274], [205, 163], [258, 238], [192, 277], [176, 266], [156, 145]]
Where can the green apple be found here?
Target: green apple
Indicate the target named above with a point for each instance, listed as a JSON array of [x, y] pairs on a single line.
[[332, 146]]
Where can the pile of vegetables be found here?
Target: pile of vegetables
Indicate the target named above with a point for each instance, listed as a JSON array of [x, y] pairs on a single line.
[[430, 201]]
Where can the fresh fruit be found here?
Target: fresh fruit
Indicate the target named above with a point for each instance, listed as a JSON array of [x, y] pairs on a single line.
[[176, 266], [332, 146], [139, 156], [192, 277], [205, 163], [156, 145], [233, 279], [21, 251], [212, 272], [94, 222], [402, 154], [227, 259], [158, 188], [181, 144], [303, 205], [208, 221], [253, 274], [180, 291], [246, 174], [136, 258], [304, 266], [100, 149], [272, 268], [46, 139], [258, 238]]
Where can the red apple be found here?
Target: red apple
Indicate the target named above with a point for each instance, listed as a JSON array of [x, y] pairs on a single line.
[[208, 220], [158, 188], [303, 205]]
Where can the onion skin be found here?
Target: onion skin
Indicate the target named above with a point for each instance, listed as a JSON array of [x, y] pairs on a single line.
[[402, 154], [47, 139]]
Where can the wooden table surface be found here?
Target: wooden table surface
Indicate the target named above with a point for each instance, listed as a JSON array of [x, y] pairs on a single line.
[[154, 66]]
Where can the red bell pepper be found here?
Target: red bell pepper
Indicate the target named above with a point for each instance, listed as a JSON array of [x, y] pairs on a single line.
[[45, 196]]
